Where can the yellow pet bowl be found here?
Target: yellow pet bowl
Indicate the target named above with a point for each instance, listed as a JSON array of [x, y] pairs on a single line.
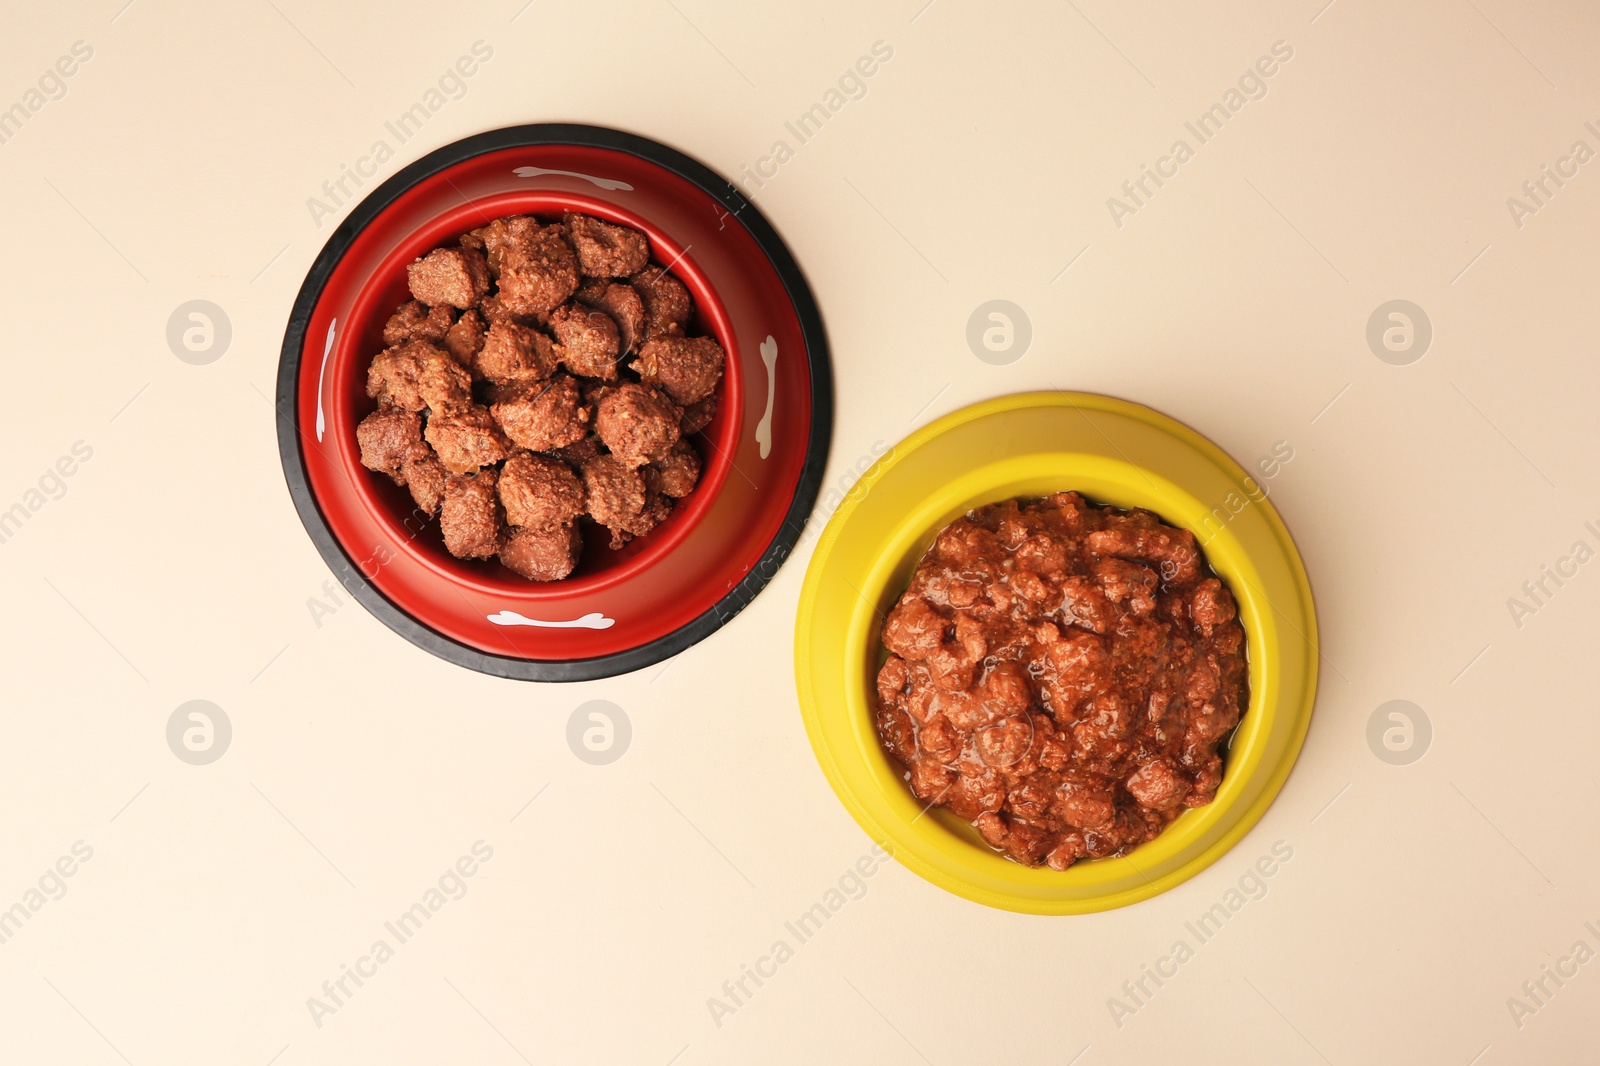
[[1033, 444]]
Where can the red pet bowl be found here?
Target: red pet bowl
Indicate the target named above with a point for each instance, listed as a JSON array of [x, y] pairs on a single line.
[[763, 454]]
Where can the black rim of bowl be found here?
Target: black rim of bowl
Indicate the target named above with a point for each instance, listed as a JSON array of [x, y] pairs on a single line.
[[820, 433]]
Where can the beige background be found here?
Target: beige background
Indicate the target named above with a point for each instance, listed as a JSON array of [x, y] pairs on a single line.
[[977, 166]]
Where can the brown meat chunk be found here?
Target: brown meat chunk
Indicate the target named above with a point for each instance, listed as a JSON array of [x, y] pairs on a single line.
[[554, 418], [606, 250], [892, 684], [467, 439], [698, 415], [914, 630], [1085, 800], [538, 272], [425, 477], [542, 554], [897, 730], [615, 496], [1212, 606], [418, 375], [575, 455], [1158, 784], [501, 236], [686, 368], [385, 437], [657, 508], [1069, 849], [1139, 535], [465, 339], [595, 390], [455, 276], [539, 492], [1130, 583], [494, 309], [516, 353], [414, 321], [510, 391], [590, 289], [976, 791], [675, 473], [1028, 843], [637, 423], [469, 516], [589, 340], [621, 301], [666, 302], [917, 631]]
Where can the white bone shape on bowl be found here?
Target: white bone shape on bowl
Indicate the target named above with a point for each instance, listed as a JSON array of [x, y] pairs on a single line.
[[769, 356], [594, 620], [327, 347], [610, 184]]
